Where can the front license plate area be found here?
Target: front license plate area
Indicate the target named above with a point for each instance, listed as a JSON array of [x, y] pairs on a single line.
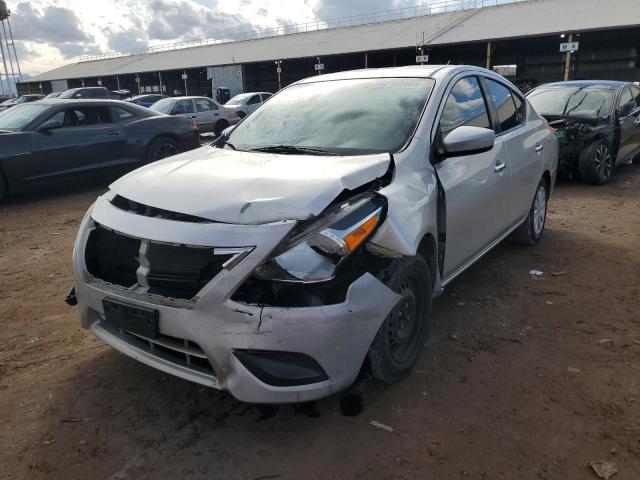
[[134, 319]]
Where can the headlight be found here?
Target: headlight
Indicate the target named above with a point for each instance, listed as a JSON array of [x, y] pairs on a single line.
[[313, 252]]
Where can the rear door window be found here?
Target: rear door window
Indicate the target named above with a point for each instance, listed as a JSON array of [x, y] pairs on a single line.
[[465, 106], [205, 105], [254, 100], [122, 114], [509, 115], [184, 106]]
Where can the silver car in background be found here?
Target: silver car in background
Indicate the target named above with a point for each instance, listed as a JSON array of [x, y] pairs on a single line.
[[245, 103], [207, 114], [309, 241]]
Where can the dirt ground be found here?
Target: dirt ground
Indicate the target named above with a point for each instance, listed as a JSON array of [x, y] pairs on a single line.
[[524, 378]]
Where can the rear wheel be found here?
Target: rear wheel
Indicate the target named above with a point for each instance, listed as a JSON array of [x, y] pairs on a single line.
[[530, 232], [596, 163], [3, 187], [162, 147], [397, 345]]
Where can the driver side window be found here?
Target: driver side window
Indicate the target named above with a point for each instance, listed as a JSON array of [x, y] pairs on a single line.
[[465, 107], [54, 121], [626, 97]]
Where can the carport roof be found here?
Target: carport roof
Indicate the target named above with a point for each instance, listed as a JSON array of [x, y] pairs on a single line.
[[529, 18]]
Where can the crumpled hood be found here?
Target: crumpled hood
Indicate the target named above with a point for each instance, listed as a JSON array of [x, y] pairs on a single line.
[[248, 187]]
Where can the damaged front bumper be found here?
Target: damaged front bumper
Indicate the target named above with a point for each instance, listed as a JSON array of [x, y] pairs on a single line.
[[261, 354]]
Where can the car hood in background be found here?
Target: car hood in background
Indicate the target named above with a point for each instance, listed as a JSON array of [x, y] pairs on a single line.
[[248, 187]]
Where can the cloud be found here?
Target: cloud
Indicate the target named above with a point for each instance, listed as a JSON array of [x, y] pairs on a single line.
[[52, 24], [182, 19], [328, 9], [123, 40]]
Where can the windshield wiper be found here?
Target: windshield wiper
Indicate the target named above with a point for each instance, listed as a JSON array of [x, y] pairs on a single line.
[[292, 149]]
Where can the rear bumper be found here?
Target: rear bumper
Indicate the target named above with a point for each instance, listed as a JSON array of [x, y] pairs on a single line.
[[198, 337]]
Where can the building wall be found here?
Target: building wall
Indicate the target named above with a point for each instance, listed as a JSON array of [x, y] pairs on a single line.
[[606, 55]]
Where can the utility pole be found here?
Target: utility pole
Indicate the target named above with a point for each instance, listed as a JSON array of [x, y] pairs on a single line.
[[279, 72], [567, 61], [489, 54]]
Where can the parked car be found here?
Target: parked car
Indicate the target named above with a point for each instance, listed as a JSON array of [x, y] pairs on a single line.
[[86, 92], [53, 95], [316, 233], [19, 100], [56, 138], [209, 115], [597, 122], [245, 103], [146, 100]]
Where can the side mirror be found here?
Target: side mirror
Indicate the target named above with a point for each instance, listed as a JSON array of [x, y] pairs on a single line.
[[468, 141]]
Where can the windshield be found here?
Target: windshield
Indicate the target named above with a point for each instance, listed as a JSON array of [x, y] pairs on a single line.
[[68, 93], [20, 116], [355, 116], [590, 102], [16, 101], [163, 106], [238, 99]]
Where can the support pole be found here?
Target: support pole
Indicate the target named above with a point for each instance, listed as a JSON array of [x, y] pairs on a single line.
[[118, 81], [15, 54], [567, 61], [4, 61], [366, 59], [489, 55]]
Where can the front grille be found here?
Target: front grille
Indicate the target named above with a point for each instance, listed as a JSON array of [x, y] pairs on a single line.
[[179, 351], [174, 271]]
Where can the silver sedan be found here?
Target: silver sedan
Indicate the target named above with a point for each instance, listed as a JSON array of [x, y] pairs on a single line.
[[309, 242], [207, 114]]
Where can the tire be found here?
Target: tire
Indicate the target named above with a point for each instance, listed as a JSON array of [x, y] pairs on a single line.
[[397, 345], [219, 127], [162, 147], [3, 187], [596, 163], [530, 232]]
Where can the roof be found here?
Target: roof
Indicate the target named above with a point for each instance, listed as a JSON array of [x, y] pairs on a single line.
[[509, 21], [588, 83]]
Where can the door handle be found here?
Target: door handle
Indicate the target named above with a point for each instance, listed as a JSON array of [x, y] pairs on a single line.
[[499, 166], [539, 147], [113, 132], [193, 116]]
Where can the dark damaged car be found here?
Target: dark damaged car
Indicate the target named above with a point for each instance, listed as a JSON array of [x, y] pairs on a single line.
[[597, 124], [52, 139]]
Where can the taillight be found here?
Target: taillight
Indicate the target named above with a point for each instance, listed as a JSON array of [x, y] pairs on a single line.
[[194, 125]]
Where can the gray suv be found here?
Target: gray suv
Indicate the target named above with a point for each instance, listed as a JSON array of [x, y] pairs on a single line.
[[316, 233]]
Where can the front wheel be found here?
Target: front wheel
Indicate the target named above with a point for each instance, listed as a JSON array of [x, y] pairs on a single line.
[[397, 345], [530, 232], [162, 147], [596, 163]]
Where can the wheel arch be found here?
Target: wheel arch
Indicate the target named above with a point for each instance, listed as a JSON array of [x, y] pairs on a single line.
[[428, 250]]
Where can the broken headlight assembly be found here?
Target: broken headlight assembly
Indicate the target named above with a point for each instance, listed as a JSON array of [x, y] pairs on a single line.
[[314, 250]]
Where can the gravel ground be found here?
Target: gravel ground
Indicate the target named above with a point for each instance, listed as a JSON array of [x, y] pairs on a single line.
[[524, 377]]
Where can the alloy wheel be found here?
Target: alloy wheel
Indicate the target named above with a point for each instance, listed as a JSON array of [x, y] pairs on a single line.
[[164, 150], [539, 210], [604, 162]]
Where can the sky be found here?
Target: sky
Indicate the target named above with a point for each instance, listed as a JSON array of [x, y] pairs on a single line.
[[52, 33]]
